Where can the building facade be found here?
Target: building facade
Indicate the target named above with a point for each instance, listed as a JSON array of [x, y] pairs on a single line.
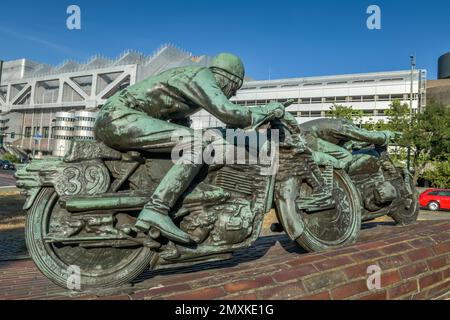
[[373, 93], [42, 108]]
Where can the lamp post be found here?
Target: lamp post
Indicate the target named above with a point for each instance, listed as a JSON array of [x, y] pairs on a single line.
[[413, 66], [1, 69]]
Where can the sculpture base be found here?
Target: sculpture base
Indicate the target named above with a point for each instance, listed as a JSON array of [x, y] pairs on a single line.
[[414, 262]]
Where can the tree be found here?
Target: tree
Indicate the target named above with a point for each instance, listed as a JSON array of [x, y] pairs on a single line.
[[426, 133], [10, 157], [345, 112], [438, 173]]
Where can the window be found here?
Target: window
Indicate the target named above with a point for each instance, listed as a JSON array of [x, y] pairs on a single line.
[[383, 97], [305, 100], [27, 132], [392, 79], [330, 99], [249, 88], [336, 82], [304, 114], [316, 100], [36, 130], [433, 193], [45, 132], [444, 193], [397, 97], [368, 98], [268, 87], [363, 81], [316, 113], [312, 84], [356, 98], [289, 86]]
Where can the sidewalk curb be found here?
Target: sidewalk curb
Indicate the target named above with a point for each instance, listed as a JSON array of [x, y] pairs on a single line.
[[9, 191]]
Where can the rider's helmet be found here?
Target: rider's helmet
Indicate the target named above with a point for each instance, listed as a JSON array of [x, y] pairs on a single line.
[[229, 71]]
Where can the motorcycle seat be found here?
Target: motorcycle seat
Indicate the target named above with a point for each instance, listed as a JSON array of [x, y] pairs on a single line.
[[364, 164], [81, 150]]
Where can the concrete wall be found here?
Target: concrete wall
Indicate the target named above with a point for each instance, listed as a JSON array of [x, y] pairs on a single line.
[[439, 91]]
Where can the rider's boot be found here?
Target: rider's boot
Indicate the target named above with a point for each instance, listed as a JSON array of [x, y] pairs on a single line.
[[156, 211], [163, 222]]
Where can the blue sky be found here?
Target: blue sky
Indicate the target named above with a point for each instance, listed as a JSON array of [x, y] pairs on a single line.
[[281, 38]]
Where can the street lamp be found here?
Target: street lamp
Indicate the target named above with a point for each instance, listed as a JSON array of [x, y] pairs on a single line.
[[1, 69], [413, 66]]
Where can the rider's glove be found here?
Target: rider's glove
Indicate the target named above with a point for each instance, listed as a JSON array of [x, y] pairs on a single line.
[[356, 145], [390, 135], [272, 110]]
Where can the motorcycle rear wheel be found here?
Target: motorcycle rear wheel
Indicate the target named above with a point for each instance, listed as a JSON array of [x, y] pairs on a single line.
[[334, 227], [405, 216], [104, 267]]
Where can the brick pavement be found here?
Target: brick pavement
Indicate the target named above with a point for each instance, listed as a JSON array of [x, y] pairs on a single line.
[[7, 178], [415, 263], [12, 244], [12, 233]]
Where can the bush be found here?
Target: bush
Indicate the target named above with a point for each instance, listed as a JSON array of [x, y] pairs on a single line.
[[10, 157], [439, 174]]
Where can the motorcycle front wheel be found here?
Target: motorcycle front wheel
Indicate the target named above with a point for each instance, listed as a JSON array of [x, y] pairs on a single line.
[[72, 266], [334, 227]]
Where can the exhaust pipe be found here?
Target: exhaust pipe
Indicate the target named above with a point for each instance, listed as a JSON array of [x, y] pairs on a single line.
[[105, 202]]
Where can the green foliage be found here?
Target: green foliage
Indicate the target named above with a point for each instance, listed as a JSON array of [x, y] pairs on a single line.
[[344, 112], [427, 133], [399, 116], [380, 125], [10, 157], [438, 174]]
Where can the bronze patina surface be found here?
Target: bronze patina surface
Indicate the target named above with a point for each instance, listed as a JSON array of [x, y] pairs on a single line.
[[119, 204]]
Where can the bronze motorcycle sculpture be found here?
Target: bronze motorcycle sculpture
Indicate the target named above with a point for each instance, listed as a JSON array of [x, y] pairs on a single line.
[[385, 189], [80, 209]]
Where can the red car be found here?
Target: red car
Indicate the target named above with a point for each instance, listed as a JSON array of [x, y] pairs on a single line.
[[435, 199]]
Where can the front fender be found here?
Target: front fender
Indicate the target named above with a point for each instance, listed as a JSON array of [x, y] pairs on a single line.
[[31, 196], [79, 178], [31, 181], [286, 193]]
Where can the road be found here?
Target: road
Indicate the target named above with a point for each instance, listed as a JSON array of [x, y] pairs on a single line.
[[7, 178]]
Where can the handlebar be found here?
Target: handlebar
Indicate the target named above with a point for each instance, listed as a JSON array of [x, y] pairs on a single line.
[[288, 102], [277, 114]]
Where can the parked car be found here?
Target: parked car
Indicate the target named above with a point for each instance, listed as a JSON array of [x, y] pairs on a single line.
[[7, 165], [435, 199]]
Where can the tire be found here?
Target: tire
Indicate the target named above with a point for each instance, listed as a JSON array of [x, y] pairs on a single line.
[[98, 267], [348, 207], [405, 216], [433, 206]]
